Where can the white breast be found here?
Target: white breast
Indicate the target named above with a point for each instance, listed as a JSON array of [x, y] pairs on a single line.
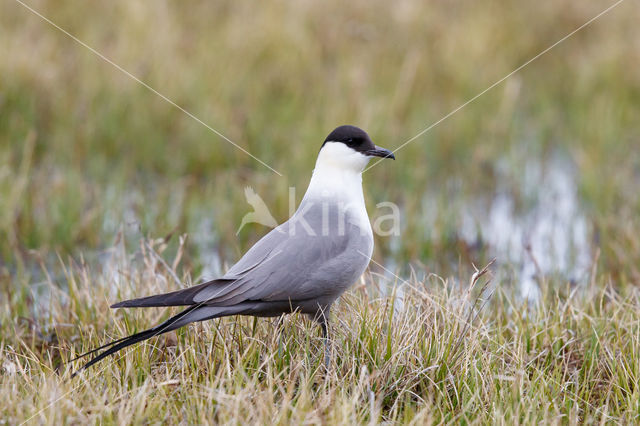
[[337, 178]]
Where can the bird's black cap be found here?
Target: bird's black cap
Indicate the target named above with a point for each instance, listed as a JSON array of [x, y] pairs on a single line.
[[358, 140]]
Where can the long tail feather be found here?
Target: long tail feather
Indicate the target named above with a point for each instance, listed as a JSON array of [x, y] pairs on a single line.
[[106, 345], [127, 342], [169, 325], [199, 312]]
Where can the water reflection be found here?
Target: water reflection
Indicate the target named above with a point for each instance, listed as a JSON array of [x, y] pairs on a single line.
[[534, 222]]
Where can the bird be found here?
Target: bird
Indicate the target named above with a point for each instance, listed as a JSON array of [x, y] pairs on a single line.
[[302, 265]]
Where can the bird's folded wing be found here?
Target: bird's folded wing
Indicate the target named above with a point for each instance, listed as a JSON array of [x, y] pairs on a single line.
[[281, 266], [298, 267]]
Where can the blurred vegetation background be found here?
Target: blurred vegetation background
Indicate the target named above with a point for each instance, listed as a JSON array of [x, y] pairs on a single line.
[[87, 154]]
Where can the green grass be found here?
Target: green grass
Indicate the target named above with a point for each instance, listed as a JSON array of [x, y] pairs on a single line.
[[91, 160]]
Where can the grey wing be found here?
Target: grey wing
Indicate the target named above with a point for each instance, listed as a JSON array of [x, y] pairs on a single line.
[[321, 266], [294, 267], [218, 289], [287, 264], [259, 252]]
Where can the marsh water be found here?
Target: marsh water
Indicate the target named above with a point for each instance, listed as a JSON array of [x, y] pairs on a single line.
[[533, 224]]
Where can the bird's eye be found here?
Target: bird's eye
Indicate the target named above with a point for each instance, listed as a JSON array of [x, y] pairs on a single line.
[[350, 141]]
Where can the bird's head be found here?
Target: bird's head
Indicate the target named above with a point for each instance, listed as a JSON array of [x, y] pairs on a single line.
[[349, 148]]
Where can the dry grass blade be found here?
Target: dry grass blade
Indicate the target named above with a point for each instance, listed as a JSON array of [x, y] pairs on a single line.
[[473, 311]]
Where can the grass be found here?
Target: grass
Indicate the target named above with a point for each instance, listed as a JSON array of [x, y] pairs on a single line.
[[93, 165], [442, 357]]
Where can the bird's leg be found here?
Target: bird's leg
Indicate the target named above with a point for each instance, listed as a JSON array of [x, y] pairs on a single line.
[[324, 324]]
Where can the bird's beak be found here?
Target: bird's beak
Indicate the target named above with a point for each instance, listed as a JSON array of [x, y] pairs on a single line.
[[381, 152]]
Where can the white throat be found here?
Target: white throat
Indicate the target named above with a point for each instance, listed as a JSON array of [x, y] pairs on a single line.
[[337, 178], [338, 174]]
